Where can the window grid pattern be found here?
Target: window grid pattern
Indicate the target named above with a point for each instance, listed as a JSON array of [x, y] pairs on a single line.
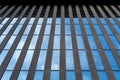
[[59, 48]]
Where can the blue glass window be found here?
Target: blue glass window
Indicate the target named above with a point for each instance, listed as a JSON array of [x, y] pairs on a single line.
[[102, 75], [27, 60], [77, 29], [22, 75], [27, 29], [58, 20], [38, 75], [97, 29], [22, 21], [47, 29], [3, 55], [83, 60], [6, 75], [117, 28], [13, 60], [17, 29], [2, 38], [67, 20], [92, 42], [67, 29], [1, 25], [87, 29], [80, 42], [112, 21], [40, 20], [115, 42], [57, 29], [97, 60], [84, 20], [7, 29], [117, 75], [69, 60], [56, 42], [93, 20], [5, 20], [54, 75], [108, 30], [49, 21], [31, 20], [14, 20], [103, 20], [68, 42], [70, 75], [45, 42], [55, 60], [103, 42], [41, 60], [86, 75], [76, 21], [37, 30], [111, 60]]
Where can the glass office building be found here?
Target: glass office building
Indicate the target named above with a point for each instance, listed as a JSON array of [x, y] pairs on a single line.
[[60, 42]]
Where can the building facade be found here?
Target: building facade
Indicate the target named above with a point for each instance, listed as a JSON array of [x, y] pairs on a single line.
[[60, 42]]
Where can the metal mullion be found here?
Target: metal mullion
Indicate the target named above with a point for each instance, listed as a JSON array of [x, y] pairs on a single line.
[[23, 53], [78, 71], [99, 46], [115, 9], [6, 13], [109, 23], [8, 22], [4, 42], [112, 15], [62, 47], [36, 51], [116, 55], [3, 9], [89, 53], [50, 47], [14, 45]]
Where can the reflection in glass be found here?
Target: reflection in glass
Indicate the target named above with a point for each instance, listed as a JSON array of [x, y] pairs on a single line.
[[22, 75], [27, 60], [83, 60], [13, 60], [86, 75], [54, 75], [55, 60], [41, 60], [6, 75], [69, 60], [70, 75], [38, 75]]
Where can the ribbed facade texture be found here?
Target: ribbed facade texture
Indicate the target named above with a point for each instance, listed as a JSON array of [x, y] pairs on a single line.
[[60, 42]]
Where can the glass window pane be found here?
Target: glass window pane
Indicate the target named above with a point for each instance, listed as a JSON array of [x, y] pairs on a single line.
[[80, 42], [112, 21], [97, 60], [3, 55], [108, 30], [86, 75], [22, 21], [7, 29], [2, 38], [17, 29], [27, 60], [56, 42], [102, 75], [87, 29], [38, 75], [103, 20], [111, 60], [84, 20], [57, 29], [69, 60], [117, 75], [93, 20], [13, 60], [55, 60], [1, 25], [97, 29], [76, 21], [58, 20], [6, 75], [67, 29], [21, 42], [49, 21], [45, 42], [37, 30], [33, 42], [41, 60], [14, 20], [67, 20], [115, 42], [77, 29], [83, 60], [92, 42], [10, 42], [27, 29], [22, 75], [40, 20], [5, 20], [31, 20], [70, 75], [47, 29], [54, 75], [103, 42], [117, 28], [68, 42]]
